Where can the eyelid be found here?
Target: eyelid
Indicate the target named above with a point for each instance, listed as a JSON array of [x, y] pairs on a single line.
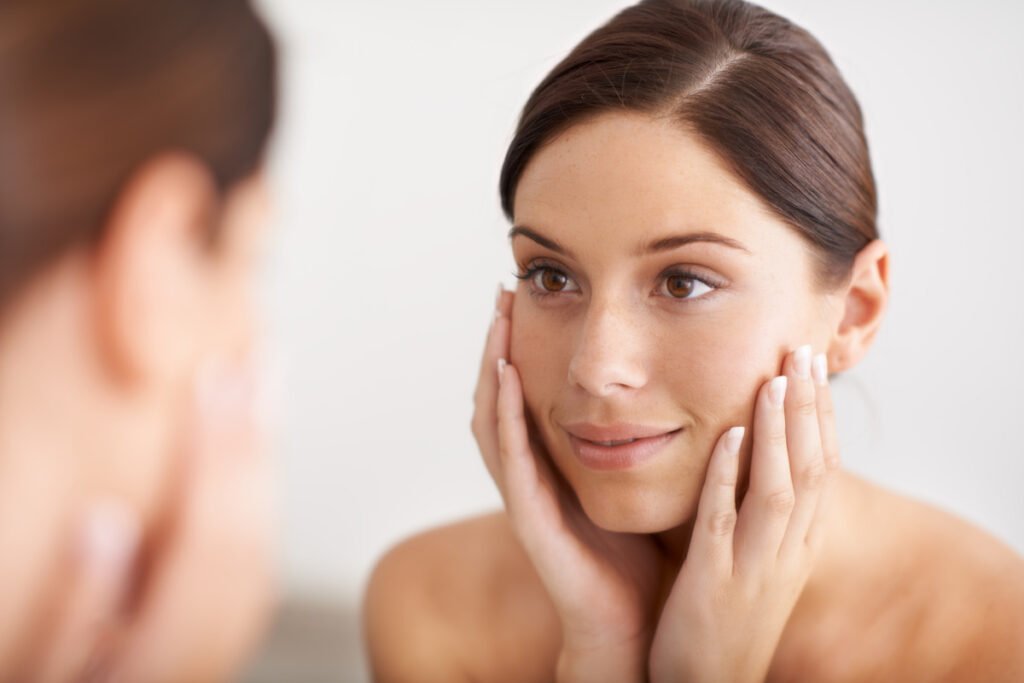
[[701, 275], [537, 264]]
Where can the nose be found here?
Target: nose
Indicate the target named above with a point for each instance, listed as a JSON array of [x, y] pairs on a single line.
[[608, 358]]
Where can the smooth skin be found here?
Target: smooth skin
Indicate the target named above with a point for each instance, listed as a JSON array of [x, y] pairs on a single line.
[[708, 562], [135, 494], [743, 571]]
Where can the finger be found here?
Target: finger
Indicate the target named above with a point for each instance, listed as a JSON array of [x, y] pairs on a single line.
[[766, 508], [505, 301], [209, 596], [712, 542], [803, 439], [485, 418], [105, 554], [530, 491], [502, 309], [829, 447]]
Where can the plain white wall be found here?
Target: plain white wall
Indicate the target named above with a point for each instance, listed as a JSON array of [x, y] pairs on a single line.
[[390, 243]]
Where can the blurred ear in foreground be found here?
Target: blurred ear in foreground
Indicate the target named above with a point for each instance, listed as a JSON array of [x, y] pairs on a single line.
[[152, 270]]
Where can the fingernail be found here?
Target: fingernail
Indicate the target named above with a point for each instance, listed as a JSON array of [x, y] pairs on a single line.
[[501, 369], [109, 540], [733, 439], [820, 367], [777, 390], [802, 362], [497, 305]]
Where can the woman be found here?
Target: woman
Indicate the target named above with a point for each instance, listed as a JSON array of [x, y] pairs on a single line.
[[134, 520], [694, 223]]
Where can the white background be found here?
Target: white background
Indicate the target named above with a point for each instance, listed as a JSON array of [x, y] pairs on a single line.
[[390, 243]]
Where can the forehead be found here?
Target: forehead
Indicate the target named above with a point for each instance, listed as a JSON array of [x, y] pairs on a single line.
[[625, 178]]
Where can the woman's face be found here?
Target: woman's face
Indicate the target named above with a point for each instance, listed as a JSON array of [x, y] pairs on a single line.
[[659, 294]]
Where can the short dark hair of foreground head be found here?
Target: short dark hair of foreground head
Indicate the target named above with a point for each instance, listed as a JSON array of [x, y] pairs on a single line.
[[91, 89], [760, 91]]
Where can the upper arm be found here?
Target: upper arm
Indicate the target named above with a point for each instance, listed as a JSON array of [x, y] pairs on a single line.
[[407, 640]]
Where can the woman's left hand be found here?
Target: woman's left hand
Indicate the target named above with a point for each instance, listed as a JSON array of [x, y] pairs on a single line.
[[744, 572]]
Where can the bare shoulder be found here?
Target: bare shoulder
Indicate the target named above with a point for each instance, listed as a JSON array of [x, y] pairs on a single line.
[[979, 591], [459, 602], [961, 595]]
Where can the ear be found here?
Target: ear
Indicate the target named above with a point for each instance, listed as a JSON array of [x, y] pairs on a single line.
[[863, 302], [151, 270]]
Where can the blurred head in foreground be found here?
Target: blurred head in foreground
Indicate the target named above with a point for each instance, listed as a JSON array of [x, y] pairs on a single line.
[[132, 202]]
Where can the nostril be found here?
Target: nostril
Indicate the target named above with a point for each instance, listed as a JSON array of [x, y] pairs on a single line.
[[605, 380]]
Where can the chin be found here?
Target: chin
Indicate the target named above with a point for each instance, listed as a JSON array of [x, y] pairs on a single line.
[[629, 508]]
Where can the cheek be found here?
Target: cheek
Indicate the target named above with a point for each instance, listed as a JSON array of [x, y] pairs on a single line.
[[541, 349], [716, 366]]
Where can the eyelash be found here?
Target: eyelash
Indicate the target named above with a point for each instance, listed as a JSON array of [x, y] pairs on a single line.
[[532, 270]]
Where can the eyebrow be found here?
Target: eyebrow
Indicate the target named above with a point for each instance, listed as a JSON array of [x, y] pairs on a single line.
[[661, 244], [546, 242], [676, 241]]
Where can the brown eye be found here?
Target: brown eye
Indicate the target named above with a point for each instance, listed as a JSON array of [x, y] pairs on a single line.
[[685, 287], [552, 280], [680, 286], [549, 280]]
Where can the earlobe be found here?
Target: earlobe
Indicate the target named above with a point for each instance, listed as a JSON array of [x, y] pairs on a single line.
[[148, 267], [865, 299]]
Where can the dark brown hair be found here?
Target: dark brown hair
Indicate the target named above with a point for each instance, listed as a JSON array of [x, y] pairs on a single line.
[[759, 90], [89, 90]]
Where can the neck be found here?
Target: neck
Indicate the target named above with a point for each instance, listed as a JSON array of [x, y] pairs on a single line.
[[846, 531], [39, 470], [675, 543], [63, 417], [41, 377]]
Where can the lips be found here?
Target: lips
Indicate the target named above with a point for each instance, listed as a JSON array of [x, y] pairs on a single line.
[[618, 447]]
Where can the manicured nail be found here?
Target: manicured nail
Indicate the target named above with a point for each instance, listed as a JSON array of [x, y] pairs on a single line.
[[777, 390], [820, 368], [733, 440], [501, 369], [802, 362], [109, 540], [497, 305]]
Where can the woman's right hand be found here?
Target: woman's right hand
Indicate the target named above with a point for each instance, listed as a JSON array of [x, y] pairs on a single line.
[[603, 584]]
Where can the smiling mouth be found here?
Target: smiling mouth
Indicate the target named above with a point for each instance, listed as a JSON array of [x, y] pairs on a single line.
[[618, 453]]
